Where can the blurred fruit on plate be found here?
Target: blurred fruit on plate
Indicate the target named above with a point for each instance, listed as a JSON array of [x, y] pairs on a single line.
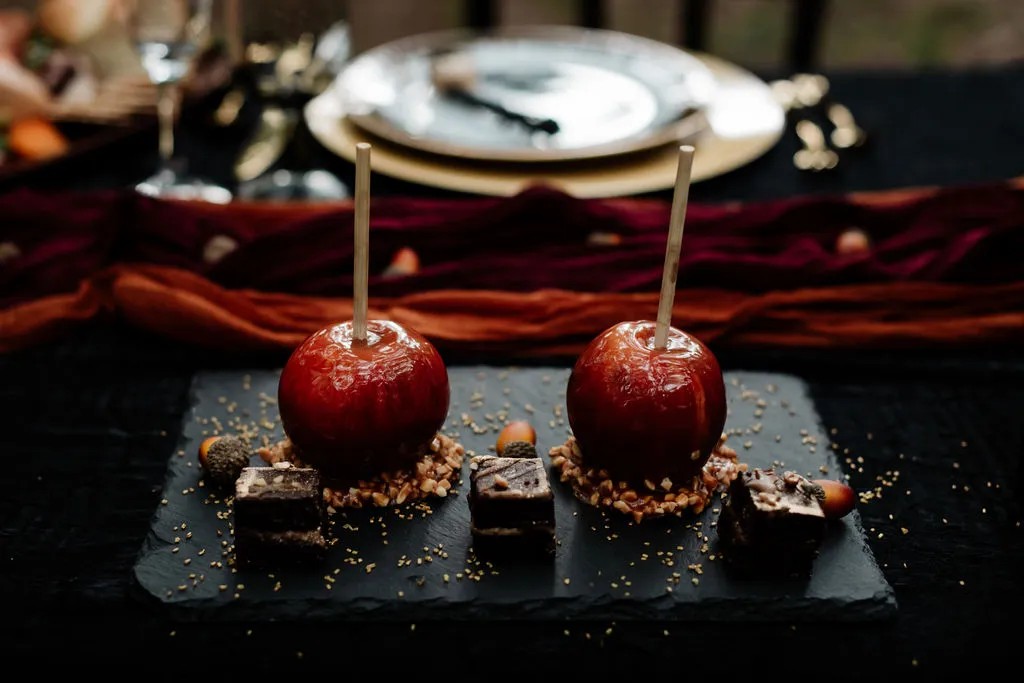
[[69, 67], [34, 139]]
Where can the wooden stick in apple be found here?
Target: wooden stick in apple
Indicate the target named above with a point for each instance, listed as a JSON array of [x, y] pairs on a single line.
[[361, 263], [675, 241], [364, 397], [646, 401]]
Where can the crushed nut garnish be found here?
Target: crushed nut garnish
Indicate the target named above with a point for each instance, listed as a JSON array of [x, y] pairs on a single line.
[[434, 475], [597, 489]]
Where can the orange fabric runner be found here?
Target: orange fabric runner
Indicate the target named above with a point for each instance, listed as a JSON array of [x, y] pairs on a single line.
[[186, 306]]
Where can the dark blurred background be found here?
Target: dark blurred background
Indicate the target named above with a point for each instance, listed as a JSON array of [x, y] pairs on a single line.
[[857, 33]]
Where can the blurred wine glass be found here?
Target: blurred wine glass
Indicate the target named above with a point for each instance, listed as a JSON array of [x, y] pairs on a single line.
[[168, 34]]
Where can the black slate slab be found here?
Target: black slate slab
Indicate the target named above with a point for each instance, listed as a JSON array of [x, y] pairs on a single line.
[[605, 567]]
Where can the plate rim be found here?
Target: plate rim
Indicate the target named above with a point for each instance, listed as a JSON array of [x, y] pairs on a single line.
[[684, 128], [328, 124]]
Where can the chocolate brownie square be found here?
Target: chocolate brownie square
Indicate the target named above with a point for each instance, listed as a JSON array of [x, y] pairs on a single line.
[[511, 504], [772, 525]]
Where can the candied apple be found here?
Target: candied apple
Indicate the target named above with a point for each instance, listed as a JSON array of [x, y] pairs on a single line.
[[356, 409], [642, 413]]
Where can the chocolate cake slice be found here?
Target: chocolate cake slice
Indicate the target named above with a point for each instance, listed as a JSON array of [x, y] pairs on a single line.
[[278, 515], [511, 504], [772, 525], [278, 548], [278, 499]]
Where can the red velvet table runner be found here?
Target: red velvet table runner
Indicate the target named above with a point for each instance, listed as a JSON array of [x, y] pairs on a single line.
[[536, 274]]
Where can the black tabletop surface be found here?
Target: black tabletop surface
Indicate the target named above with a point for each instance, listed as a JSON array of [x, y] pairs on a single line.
[[91, 420]]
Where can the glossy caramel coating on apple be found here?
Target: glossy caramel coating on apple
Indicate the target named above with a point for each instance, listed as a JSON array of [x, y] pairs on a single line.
[[356, 409], [641, 413]]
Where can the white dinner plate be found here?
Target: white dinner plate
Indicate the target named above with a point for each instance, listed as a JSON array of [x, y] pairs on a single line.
[[605, 92]]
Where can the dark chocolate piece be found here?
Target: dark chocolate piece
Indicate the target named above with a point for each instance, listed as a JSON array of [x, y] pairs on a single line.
[[278, 548], [278, 499], [772, 525], [511, 503]]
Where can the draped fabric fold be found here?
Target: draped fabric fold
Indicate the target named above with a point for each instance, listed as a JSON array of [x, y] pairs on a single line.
[[186, 306], [534, 274]]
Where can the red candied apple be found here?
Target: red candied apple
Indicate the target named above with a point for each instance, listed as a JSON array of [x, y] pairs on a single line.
[[642, 413], [356, 409]]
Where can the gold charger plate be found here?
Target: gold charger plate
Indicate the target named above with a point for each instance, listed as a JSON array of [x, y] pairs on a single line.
[[744, 121]]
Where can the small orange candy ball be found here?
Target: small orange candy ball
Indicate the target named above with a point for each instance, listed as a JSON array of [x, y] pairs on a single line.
[[520, 430], [853, 241], [839, 500], [204, 449]]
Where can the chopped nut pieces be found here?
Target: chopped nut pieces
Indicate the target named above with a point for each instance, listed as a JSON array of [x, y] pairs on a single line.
[[598, 489], [433, 475]]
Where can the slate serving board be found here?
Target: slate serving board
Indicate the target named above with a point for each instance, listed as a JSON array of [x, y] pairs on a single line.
[[605, 567]]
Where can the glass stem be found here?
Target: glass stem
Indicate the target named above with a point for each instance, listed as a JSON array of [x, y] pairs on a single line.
[[165, 119]]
